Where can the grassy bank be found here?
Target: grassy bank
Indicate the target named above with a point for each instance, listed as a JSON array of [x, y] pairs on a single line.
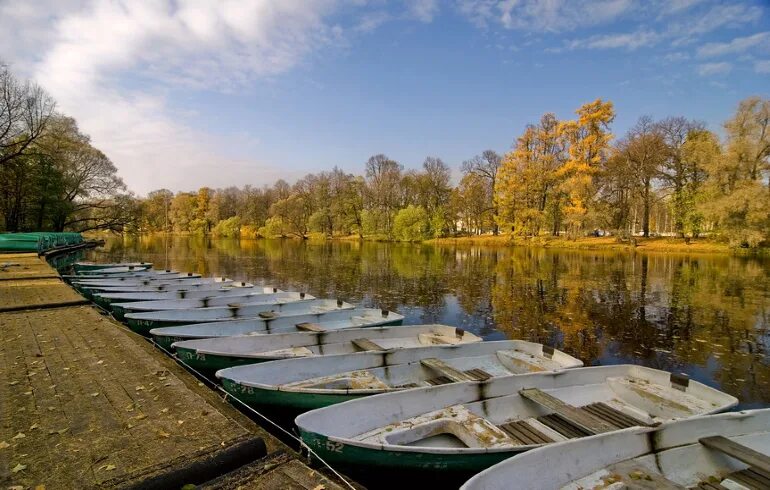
[[658, 244]]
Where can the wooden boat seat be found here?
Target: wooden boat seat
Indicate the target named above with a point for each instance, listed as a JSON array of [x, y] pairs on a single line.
[[478, 374], [574, 415], [758, 463], [366, 344], [562, 426], [445, 370], [523, 433], [267, 315], [439, 380], [613, 416], [749, 478], [309, 327]]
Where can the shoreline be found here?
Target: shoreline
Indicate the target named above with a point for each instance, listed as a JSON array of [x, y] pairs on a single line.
[[643, 245]]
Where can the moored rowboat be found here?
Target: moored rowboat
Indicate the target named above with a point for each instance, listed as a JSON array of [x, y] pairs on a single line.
[[120, 309], [86, 266], [171, 285], [230, 289], [466, 427], [145, 321], [725, 451], [319, 322], [297, 385], [216, 353]]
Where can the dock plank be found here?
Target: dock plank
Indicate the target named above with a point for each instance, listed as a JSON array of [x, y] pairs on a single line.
[[103, 410]]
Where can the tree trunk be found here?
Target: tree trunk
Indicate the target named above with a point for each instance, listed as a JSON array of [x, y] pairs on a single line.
[[646, 214]]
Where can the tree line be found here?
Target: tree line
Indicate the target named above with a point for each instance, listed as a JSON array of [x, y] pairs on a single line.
[[51, 177], [562, 177]]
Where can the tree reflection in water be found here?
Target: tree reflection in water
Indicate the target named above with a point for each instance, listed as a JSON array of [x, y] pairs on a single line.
[[703, 315]]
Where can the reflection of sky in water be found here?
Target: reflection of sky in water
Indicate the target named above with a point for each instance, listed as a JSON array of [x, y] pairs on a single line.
[[706, 316]]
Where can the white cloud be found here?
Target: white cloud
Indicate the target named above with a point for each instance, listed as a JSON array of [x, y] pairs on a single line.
[[536, 15], [629, 41], [762, 66], [81, 53], [676, 56], [672, 7], [737, 45], [717, 17], [709, 69], [422, 10]]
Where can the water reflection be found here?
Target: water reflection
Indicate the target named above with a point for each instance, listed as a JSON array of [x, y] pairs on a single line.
[[706, 316]]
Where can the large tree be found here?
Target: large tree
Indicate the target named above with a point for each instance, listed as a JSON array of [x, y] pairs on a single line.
[[486, 166]]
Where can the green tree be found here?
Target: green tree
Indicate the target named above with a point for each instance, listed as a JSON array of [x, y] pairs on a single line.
[[411, 224]]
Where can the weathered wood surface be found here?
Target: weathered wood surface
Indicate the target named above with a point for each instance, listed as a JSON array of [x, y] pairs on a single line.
[[24, 266], [85, 405], [755, 459], [366, 345], [574, 415], [445, 369], [278, 471], [21, 294]]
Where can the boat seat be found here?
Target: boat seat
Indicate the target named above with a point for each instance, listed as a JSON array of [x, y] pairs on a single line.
[[439, 380], [309, 327], [522, 432], [574, 415], [613, 416], [445, 370], [478, 374], [366, 345], [268, 315], [750, 478], [562, 426], [759, 464]]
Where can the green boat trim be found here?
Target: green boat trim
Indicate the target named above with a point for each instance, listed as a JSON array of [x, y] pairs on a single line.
[[212, 362], [295, 401], [341, 452]]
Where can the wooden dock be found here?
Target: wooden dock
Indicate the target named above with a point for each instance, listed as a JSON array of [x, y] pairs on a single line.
[[85, 403]]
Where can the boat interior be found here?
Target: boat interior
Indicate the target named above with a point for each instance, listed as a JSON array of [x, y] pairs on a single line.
[[535, 416]]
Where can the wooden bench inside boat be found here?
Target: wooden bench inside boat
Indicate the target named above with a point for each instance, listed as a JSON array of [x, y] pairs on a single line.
[[445, 371], [310, 327], [574, 415], [756, 476], [366, 344]]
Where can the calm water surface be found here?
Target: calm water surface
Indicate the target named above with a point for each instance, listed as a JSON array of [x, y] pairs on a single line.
[[706, 315]]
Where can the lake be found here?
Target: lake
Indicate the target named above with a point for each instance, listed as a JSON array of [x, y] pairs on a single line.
[[706, 315]]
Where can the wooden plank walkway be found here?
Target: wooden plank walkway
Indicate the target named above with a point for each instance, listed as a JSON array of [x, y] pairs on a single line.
[[85, 403]]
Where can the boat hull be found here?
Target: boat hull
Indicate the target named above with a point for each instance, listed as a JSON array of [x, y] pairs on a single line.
[[291, 401], [166, 341], [338, 453]]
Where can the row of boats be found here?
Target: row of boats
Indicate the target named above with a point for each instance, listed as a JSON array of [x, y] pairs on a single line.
[[369, 392]]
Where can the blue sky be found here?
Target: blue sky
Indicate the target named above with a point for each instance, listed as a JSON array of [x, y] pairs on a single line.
[[222, 93]]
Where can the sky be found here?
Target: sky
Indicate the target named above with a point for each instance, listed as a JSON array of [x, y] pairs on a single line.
[[183, 94]]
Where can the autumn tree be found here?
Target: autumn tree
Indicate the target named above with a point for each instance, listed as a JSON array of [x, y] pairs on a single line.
[[588, 138]]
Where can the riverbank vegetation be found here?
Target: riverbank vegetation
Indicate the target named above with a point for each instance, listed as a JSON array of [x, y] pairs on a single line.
[[51, 176], [569, 179]]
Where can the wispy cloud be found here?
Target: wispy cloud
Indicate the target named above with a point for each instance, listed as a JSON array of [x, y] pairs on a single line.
[[710, 69], [762, 66], [422, 10], [678, 29], [676, 57], [737, 45], [535, 15], [629, 41]]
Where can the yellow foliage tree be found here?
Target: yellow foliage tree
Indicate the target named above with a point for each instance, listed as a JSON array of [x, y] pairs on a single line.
[[588, 138]]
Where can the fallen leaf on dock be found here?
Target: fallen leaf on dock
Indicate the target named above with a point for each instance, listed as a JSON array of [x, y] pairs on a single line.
[[108, 467], [20, 435], [19, 467], [4, 445], [95, 394], [34, 426], [163, 433]]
